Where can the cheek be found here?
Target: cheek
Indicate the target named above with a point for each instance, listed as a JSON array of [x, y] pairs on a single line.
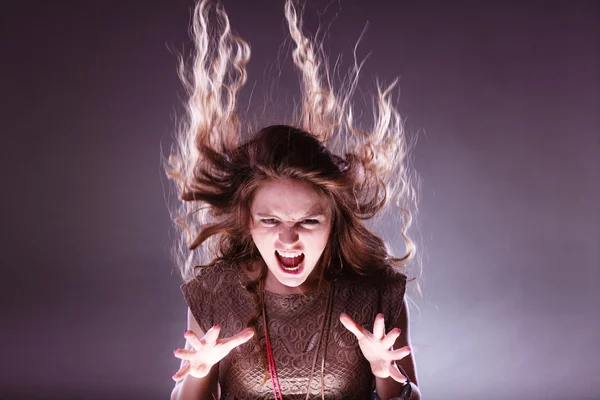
[[261, 236], [319, 238]]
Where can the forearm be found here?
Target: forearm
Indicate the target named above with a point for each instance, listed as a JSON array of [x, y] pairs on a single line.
[[388, 388], [191, 388]]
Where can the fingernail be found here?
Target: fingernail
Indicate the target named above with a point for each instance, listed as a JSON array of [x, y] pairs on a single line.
[[186, 331]]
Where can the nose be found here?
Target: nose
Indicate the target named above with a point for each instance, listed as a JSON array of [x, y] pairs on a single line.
[[288, 236]]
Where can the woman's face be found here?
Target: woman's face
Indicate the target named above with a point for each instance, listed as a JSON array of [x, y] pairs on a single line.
[[290, 225]]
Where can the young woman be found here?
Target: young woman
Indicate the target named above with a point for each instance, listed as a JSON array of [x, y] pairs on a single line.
[[295, 297]]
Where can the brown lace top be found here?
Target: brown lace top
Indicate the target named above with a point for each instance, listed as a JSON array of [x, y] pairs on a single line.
[[218, 295]]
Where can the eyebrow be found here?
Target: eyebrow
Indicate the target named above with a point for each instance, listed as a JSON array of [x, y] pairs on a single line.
[[316, 211], [309, 215]]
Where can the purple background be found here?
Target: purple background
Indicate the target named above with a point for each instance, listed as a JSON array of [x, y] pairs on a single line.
[[505, 95]]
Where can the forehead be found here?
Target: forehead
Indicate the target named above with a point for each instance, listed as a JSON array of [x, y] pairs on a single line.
[[289, 199]]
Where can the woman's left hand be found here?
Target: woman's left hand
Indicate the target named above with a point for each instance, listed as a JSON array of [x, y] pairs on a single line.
[[377, 347]]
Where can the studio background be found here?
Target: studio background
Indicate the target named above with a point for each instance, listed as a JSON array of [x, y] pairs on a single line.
[[503, 95]]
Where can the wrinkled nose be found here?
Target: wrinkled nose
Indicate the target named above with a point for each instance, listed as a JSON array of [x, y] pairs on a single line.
[[288, 236]]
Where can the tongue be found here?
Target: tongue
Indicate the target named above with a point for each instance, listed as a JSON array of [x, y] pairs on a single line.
[[291, 262]]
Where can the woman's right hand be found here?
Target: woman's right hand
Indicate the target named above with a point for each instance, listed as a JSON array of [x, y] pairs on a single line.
[[207, 351]]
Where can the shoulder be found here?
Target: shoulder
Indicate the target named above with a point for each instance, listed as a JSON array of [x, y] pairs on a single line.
[[388, 286], [393, 283], [393, 280], [207, 289], [392, 291], [364, 297], [210, 280]]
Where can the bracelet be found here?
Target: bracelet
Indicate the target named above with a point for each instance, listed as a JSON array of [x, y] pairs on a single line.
[[406, 391]]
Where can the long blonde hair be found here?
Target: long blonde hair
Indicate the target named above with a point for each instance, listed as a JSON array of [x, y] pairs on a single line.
[[210, 137]]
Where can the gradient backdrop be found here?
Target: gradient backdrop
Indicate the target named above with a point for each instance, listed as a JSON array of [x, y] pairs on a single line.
[[504, 95]]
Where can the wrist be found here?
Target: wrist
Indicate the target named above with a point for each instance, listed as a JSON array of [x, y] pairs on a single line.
[[381, 369], [389, 389]]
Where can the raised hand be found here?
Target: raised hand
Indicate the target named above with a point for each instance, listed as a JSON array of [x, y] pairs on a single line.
[[207, 351], [377, 347]]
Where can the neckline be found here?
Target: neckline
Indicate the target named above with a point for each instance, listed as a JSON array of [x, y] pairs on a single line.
[[309, 294]]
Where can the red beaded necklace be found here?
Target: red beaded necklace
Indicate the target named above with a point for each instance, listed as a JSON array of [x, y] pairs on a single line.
[[323, 333]]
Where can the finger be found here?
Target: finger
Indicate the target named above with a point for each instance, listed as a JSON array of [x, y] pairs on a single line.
[[391, 337], [396, 374], [238, 339], [212, 334], [353, 327], [183, 371], [379, 327], [184, 354], [192, 339], [398, 354]]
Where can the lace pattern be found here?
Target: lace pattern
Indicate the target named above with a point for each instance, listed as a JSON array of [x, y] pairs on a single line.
[[218, 294]]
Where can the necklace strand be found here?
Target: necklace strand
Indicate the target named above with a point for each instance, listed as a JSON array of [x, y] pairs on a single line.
[[271, 361]]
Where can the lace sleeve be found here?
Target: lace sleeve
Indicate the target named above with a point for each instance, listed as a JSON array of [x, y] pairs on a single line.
[[199, 299], [392, 296]]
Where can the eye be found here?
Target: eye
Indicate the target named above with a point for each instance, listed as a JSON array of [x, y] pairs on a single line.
[[269, 221], [310, 222]]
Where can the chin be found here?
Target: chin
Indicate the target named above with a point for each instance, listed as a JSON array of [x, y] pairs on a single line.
[[290, 283]]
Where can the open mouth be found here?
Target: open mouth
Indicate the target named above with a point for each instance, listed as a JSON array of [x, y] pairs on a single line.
[[291, 263]]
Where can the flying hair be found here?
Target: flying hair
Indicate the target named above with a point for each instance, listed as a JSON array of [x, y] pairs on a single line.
[[209, 137]]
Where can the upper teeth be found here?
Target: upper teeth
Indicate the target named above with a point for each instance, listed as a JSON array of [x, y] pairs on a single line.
[[288, 255]]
